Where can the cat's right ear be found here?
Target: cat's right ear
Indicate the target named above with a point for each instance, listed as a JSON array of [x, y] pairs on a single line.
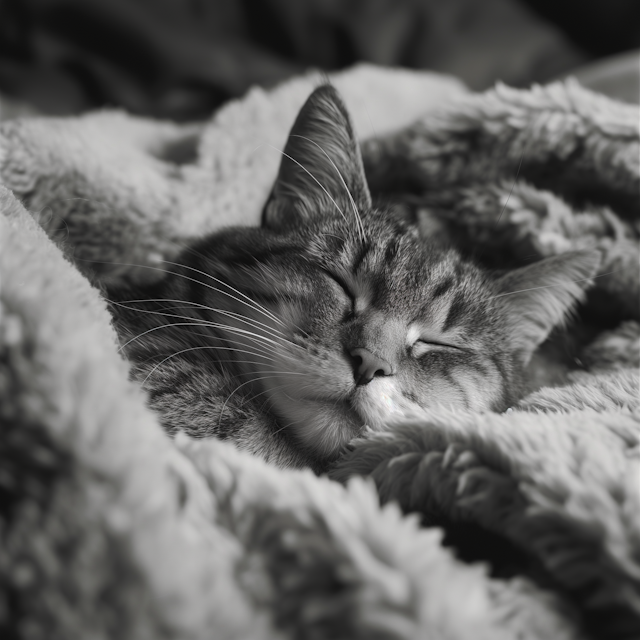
[[321, 168]]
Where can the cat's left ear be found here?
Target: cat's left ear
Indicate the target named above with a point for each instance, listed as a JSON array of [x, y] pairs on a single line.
[[539, 297], [321, 168]]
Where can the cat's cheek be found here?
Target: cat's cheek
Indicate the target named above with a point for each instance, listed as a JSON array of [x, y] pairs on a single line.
[[311, 373], [480, 390], [462, 387]]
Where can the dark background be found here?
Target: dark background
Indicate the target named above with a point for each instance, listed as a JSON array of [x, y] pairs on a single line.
[[180, 59]]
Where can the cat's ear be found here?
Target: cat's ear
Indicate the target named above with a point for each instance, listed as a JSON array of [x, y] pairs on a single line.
[[321, 168], [540, 296]]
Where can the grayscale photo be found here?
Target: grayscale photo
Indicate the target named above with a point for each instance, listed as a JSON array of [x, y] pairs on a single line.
[[319, 320]]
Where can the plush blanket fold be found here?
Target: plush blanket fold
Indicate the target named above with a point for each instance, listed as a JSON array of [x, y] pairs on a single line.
[[520, 525]]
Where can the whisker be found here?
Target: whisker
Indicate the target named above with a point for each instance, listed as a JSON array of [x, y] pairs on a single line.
[[344, 184], [252, 380], [238, 316], [189, 349], [255, 362], [549, 286], [286, 155], [249, 335], [286, 426], [173, 355], [164, 326], [255, 306], [177, 353], [207, 323], [236, 350], [283, 373], [250, 302]]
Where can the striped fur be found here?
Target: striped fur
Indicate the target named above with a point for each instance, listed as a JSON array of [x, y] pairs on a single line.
[[250, 336]]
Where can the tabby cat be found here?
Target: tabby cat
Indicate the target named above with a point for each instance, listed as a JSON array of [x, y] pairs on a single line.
[[335, 315]]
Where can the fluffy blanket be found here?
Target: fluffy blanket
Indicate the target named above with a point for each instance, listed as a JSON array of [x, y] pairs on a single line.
[[522, 525]]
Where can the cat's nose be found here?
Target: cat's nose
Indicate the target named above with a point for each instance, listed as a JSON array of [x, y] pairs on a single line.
[[367, 366]]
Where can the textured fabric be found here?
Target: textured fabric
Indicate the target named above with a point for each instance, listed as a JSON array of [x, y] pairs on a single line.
[[526, 524]]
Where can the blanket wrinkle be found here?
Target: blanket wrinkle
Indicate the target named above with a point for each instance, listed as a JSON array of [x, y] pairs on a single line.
[[522, 525], [568, 511]]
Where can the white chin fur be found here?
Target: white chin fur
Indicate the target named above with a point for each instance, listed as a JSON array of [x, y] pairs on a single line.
[[324, 427], [321, 426], [380, 404]]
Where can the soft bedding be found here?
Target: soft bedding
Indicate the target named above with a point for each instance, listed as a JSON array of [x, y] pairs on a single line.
[[519, 525]]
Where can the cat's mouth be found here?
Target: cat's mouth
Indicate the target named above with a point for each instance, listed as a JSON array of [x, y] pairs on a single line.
[[323, 408]]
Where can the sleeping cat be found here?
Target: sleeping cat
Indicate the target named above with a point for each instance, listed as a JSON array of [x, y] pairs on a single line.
[[290, 339]]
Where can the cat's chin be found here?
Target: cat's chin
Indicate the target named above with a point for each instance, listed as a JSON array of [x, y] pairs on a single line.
[[324, 426], [380, 404], [320, 426]]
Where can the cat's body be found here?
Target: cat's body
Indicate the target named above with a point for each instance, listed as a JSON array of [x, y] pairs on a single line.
[[290, 338]]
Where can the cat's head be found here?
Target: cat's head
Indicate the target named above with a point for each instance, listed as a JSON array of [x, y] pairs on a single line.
[[361, 320]]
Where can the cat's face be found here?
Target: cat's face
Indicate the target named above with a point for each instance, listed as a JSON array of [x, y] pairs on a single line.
[[343, 316], [354, 333]]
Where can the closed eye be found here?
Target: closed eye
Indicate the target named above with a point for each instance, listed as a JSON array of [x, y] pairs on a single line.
[[341, 283], [345, 287], [421, 347], [348, 292]]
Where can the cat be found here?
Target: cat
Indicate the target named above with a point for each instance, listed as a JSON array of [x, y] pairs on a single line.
[[334, 316]]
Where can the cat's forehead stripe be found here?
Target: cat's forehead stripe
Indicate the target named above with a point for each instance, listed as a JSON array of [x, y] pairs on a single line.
[[434, 323], [440, 309], [442, 287], [454, 310]]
